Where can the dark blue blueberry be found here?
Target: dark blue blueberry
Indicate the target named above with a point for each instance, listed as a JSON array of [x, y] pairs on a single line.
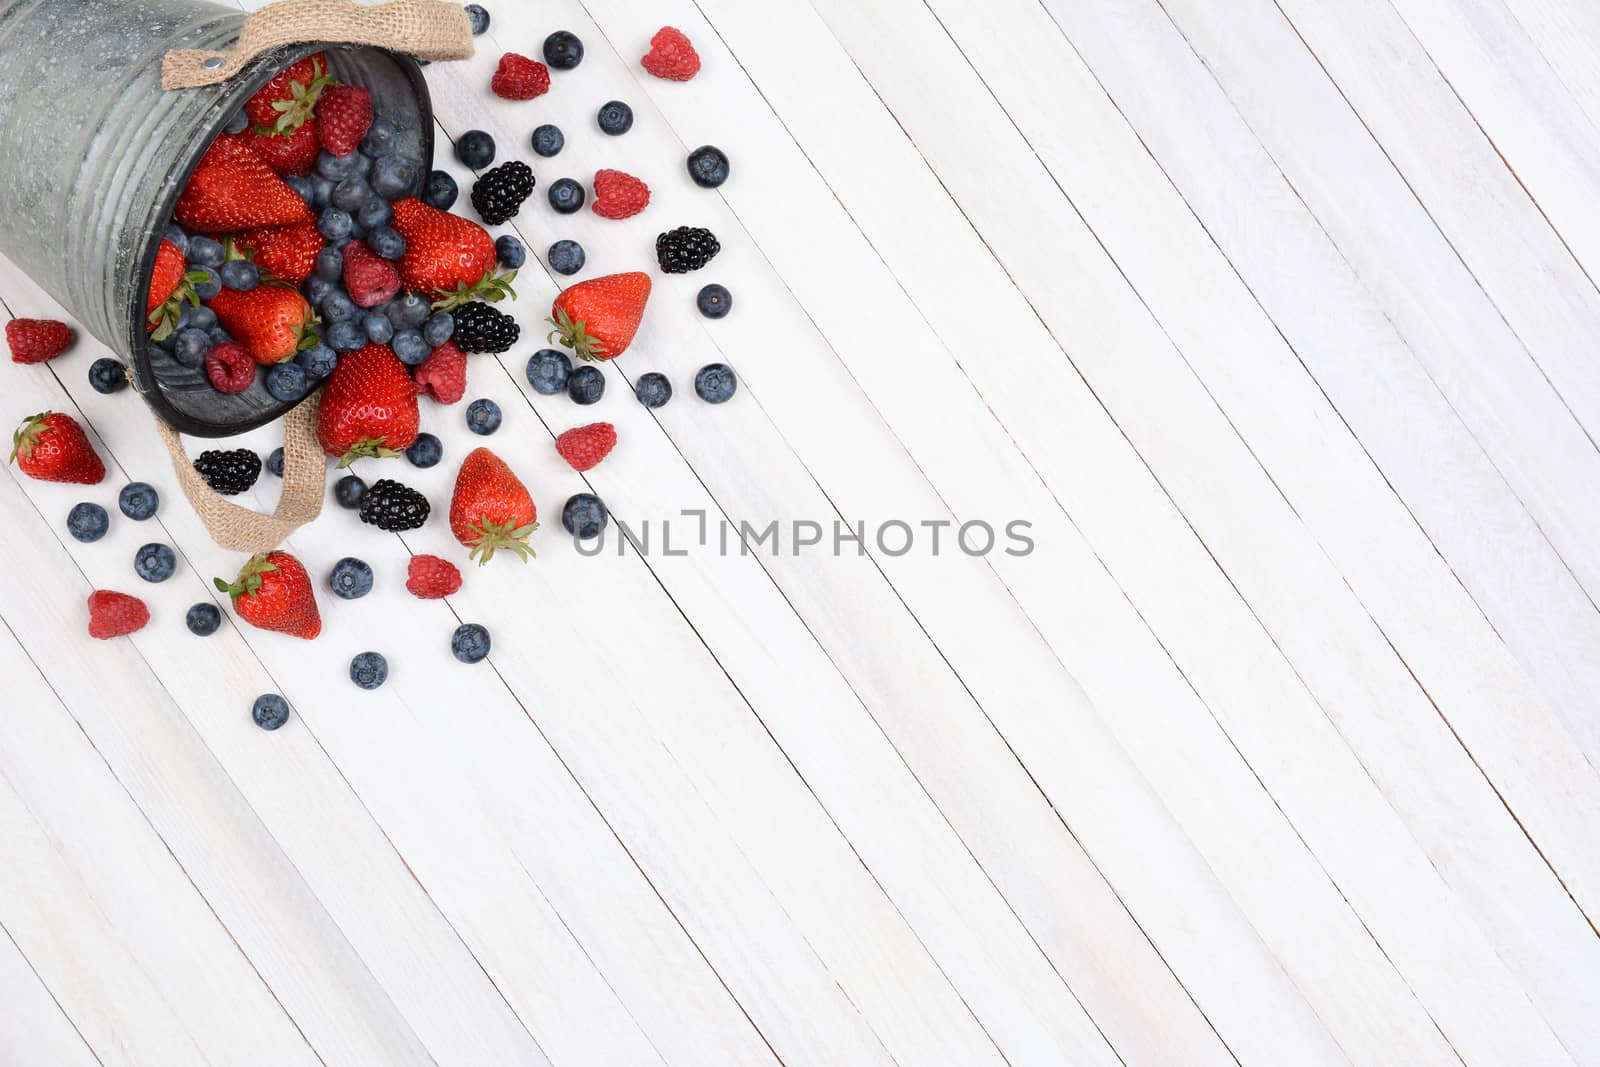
[[321, 191], [275, 461], [318, 362], [206, 281], [349, 490], [584, 516], [155, 562], [191, 347], [317, 290], [470, 642], [652, 389], [393, 177], [410, 347], [586, 385], [302, 187], [715, 383], [364, 165], [483, 417], [138, 500], [335, 223], [241, 275], [548, 140], [380, 331], [615, 118], [387, 242], [375, 213], [563, 50], [714, 301], [475, 149], [369, 670], [380, 137], [336, 168], [410, 310], [178, 236], [426, 451], [338, 307], [206, 252], [330, 265], [270, 711], [202, 318], [442, 191], [204, 619], [708, 166], [566, 195], [219, 336], [286, 381], [478, 19], [106, 375], [438, 329], [238, 122], [88, 522], [351, 194], [351, 579], [509, 251], [566, 257], [345, 336], [548, 370]]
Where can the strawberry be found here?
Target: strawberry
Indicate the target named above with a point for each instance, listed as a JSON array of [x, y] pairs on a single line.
[[272, 321], [370, 279], [443, 375], [232, 189], [491, 509], [52, 447], [598, 318], [520, 78], [585, 446], [294, 152], [369, 407], [429, 577], [618, 195], [37, 340], [273, 592], [343, 118], [671, 56], [115, 614], [166, 277], [448, 256], [287, 101], [288, 253]]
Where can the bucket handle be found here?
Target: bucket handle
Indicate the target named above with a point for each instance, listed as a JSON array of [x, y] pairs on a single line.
[[430, 29], [305, 470]]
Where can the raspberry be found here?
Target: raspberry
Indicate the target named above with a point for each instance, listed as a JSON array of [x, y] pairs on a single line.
[[585, 446], [344, 114], [443, 375], [231, 368], [618, 195], [115, 614], [671, 56], [520, 78], [370, 279], [37, 340], [430, 577]]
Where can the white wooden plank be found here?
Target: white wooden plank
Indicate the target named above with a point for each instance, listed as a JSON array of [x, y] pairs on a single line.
[[1567, 32], [34, 1031]]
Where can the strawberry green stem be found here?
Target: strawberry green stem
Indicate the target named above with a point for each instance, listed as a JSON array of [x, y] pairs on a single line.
[[492, 537]]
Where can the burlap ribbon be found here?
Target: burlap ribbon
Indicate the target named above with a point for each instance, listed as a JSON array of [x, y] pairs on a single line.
[[430, 29]]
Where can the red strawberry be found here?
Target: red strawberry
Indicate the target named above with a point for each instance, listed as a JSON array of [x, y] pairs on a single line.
[[273, 592], [520, 78], [598, 318], [230, 367], [272, 321], [671, 56], [448, 256], [166, 277], [37, 340], [491, 509], [288, 100], [369, 407], [294, 152], [443, 375], [343, 118], [430, 577], [115, 614], [288, 253], [370, 279], [618, 195], [233, 189], [52, 447], [585, 446]]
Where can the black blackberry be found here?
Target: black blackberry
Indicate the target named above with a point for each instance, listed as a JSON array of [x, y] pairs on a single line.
[[480, 328], [229, 472], [391, 506], [499, 194], [685, 249]]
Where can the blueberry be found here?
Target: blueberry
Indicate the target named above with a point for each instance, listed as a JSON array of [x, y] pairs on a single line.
[[509, 251], [584, 516], [338, 307], [442, 191], [345, 336], [155, 562], [204, 619], [380, 331], [410, 310], [191, 347], [349, 490], [548, 140], [393, 177], [566, 195], [286, 381], [88, 522], [715, 383], [369, 670], [106, 375], [206, 281], [206, 252], [202, 318], [483, 417], [708, 166], [426, 451], [335, 223], [317, 290], [470, 642], [714, 301], [318, 362], [438, 329], [586, 385], [178, 236], [351, 579], [563, 50], [302, 187], [238, 122], [330, 265], [241, 275], [475, 149], [321, 191], [219, 336], [410, 347], [270, 711], [336, 168], [615, 118], [275, 462], [566, 257], [478, 19], [138, 499], [364, 165], [652, 389], [352, 194], [387, 242], [375, 213], [380, 137], [548, 371]]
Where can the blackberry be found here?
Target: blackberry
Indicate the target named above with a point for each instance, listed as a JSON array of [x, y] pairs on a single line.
[[480, 328], [499, 194], [685, 249], [388, 505], [230, 472]]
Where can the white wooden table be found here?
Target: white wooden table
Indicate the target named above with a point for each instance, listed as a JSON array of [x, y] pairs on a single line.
[[1276, 320]]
